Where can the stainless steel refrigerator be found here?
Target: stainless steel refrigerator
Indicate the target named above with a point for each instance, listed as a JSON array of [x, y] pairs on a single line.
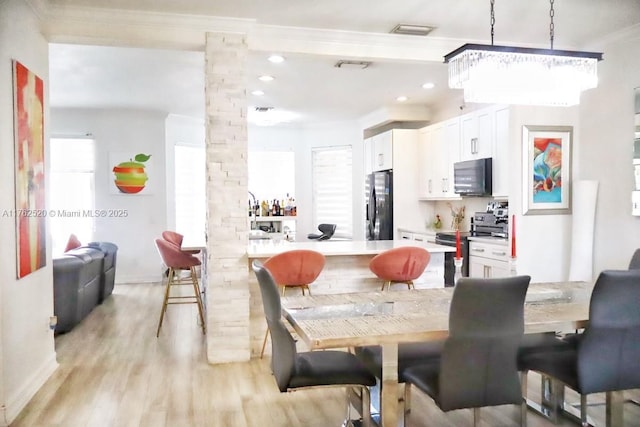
[[379, 194]]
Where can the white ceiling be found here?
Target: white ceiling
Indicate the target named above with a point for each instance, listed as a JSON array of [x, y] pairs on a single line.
[[309, 85]]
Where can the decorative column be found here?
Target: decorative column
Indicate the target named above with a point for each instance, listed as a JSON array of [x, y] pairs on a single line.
[[227, 298]]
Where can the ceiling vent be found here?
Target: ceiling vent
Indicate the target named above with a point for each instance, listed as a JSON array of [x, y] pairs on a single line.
[[412, 30], [344, 63], [263, 109]]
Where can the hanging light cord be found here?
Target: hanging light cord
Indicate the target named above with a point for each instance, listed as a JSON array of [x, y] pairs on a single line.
[[493, 20], [551, 25]]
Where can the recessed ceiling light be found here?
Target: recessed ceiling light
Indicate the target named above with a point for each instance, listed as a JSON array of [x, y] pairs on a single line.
[[265, 78], [412, 30], [401, 98], [428, 85], [276, 59], [257, 93]]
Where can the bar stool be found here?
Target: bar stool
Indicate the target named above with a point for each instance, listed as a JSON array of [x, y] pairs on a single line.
[[400, 265], [294, 269], [176, 260]]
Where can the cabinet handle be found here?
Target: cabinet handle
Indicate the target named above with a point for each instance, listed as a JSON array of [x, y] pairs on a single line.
[[429, 186], [380, 159], [474, 145], [418, 239], [502, 253], [477, 250], [444, 186]]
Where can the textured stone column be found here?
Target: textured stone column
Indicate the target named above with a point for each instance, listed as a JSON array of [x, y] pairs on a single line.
[[226, 157]]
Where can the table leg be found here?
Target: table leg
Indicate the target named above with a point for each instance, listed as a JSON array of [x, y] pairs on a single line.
[[389, 385]]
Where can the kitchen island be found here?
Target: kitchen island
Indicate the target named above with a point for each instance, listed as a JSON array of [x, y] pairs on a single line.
[[346, 270]]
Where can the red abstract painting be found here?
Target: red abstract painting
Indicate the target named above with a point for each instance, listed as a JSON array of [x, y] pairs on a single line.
[[30, 210]]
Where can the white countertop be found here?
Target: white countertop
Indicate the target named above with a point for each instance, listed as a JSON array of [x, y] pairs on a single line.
[[267, 248]]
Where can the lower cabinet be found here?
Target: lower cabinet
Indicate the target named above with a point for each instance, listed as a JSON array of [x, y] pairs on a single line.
[[488, 260]]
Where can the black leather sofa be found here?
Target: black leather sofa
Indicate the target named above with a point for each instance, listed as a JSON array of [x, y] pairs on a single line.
[[82, 279], [108, 275]]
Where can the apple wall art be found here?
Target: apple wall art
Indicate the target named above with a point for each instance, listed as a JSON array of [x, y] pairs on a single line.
[[131, 173]]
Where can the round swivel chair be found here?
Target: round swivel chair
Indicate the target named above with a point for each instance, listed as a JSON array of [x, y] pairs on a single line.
[[400, 265], [294, 269]]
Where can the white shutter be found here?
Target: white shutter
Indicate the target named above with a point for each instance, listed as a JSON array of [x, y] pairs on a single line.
[[332, 189], [190, 196]]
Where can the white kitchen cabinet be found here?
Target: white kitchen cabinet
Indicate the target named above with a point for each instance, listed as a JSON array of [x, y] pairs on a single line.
[[439, 149], [488, 259], [368, 156], [501, 153], [476, 134]]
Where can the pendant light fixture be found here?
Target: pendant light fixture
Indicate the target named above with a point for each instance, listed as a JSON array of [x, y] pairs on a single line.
[[518, 75]]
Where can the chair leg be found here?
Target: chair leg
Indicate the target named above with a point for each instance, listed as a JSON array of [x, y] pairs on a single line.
[[166, 299], [264, 342], [196, 289], [583, 410], [410, 285], [523, 405]]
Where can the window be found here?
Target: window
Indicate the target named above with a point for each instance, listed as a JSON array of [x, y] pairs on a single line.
[[332, 189], [190, 192], [72, 190]]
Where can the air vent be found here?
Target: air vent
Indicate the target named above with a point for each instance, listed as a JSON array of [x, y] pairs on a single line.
[[412, 30], [345, 63], [263, 109]]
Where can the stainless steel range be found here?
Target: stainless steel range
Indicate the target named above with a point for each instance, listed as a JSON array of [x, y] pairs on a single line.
[[494, 223]]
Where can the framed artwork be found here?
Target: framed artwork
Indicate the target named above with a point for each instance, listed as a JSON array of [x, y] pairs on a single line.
[[130, 173], [546, 167], [30, 213]]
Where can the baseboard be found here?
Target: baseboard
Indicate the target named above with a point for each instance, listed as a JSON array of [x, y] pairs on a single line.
[[19, 400]]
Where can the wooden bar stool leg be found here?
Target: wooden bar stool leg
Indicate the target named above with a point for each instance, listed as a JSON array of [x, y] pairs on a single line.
[[264, 343], [166, 299], [196, 289]]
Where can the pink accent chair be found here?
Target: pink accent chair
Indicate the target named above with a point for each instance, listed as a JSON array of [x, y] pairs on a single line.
[[177, 260], [294, 269], [176, 239], [400, 265]]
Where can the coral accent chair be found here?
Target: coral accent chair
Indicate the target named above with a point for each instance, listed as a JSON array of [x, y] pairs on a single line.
[[72, 243], [400, 265], [177, 260], [176, 239], [294, 269]]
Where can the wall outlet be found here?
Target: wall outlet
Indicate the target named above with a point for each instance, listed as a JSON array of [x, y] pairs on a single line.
[[53, 321]]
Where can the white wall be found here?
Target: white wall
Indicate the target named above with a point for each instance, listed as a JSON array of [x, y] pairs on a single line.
[[118, 131], [27, 353], [606, 130]]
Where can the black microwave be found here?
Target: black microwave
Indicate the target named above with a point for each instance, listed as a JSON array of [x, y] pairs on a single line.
[[473, 177]]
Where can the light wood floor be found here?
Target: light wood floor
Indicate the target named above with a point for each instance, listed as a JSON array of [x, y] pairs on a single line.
[[115, 372]]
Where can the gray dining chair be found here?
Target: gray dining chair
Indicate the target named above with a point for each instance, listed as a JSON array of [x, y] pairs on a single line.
[[293, 370], [478, 365], [634, 264], [605, 358]]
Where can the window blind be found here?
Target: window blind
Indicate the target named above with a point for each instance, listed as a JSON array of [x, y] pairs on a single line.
[[332, 197]]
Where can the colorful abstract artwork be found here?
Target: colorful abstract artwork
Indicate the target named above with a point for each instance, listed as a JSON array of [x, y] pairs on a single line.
[[547, 169], [30, 210], [130, 173]]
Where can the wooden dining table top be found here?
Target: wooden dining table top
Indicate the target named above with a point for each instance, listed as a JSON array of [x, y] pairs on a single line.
[[369, 318]]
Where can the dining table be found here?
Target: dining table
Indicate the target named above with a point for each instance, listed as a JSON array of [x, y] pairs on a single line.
[[388, 318]]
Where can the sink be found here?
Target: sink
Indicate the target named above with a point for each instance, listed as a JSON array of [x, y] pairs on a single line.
[[258, 235]]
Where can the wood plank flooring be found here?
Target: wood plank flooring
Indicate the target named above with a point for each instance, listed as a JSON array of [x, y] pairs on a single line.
[[115, 372]]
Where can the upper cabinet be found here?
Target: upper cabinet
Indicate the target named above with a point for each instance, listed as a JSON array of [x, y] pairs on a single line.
[[378, 152], [476, 134]]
